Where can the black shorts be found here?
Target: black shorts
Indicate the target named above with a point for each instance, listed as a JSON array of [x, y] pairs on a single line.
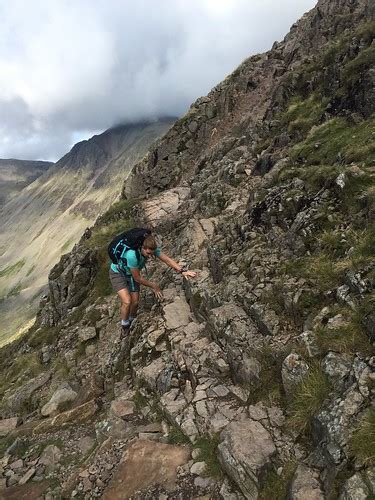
[[120, 281]]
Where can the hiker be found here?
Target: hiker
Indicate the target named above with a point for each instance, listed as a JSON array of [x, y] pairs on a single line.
[[129, 252]]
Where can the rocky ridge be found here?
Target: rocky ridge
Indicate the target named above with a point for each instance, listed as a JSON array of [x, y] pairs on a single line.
[[256, 380]]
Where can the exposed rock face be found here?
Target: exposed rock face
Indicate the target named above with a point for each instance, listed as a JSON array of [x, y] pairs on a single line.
[[146, 463], [70, 281], [305, 484], [245, 453], [61, 397], [257, 188]]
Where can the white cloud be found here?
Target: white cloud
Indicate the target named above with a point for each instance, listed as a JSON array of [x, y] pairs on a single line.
[[68, 67]]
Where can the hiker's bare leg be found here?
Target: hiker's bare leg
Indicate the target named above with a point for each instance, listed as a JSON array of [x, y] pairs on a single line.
[[134, 304], [125, 303]]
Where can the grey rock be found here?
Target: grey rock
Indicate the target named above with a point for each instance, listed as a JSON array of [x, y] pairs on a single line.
[[333, 423], [227, 492], [305, 485], [293, 370], [26, 477], [309, 340], [59, 399], [198, 468], [23, 394], [85, 444], [7, 425], [202, 482], [265, 319], [355, 488], [246, 460], [51, 456], [337, 367], [87, 333], [177, 313]]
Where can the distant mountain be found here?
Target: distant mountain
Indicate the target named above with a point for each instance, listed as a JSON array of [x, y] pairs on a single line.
[[17, 174], [47, 217]]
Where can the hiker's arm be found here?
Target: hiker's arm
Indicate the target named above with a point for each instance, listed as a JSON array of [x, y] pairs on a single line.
[[173, 264], [138, 278]]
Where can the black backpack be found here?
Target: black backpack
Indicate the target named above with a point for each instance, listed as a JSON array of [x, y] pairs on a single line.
[[132, 239]]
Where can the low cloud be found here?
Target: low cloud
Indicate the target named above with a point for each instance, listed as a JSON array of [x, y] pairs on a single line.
[[69, 68]]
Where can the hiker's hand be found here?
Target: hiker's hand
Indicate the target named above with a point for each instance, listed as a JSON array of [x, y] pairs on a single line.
[[158, 293], [189, 274]]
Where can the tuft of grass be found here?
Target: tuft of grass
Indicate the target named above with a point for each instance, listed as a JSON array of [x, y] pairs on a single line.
[[349, 338], [333, 244], [118, 211], [207, 446], [302, 114], [362, 442], [269, 386], [353, 69], [13, 269], [23, 368], [176, 436], [308, 399], [43, 336], [276, 487], [325, 273], [139, 401], [337, 141]]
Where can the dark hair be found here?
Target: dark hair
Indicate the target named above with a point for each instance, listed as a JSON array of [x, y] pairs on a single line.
[[150, 243]]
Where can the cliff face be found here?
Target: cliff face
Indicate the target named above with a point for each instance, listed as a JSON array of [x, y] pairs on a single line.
[[48, 217], [265, 362]]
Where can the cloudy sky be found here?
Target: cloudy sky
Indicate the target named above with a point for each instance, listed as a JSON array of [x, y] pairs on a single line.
[[72, 68]]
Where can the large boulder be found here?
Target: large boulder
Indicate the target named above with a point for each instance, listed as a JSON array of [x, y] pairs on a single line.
[[245, 453], [146, 463], [61, 397]]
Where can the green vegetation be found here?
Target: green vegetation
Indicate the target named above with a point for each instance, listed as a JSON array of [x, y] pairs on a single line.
[[320, 269], [23, 368], [302, 114], [42, 336], [349, 338], [67, 245], [119, 210], [308, 399], [207, 446], [276, 487], [353, 69], [269, 386], [362, 443], [176, 436], [337, 141], [13, 269], [140, 401]]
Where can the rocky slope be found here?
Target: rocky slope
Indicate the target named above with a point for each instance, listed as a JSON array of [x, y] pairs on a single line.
[[47, 218], [17, 174], [263, 367]]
